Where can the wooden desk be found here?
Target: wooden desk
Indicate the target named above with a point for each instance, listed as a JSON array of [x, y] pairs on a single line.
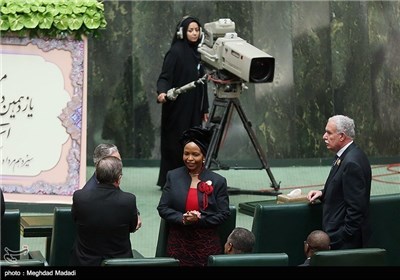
[[38, 226]]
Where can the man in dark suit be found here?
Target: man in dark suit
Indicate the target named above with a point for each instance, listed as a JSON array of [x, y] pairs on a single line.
[[105, 216], [346, 194], [101, 151]]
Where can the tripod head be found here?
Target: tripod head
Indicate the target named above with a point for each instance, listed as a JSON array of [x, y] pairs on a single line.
[[226, 87]]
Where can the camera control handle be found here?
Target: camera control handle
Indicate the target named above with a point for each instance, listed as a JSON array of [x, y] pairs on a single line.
[[173, 93]]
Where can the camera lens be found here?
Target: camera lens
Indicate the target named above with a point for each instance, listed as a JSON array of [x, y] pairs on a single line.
[[262, 70]]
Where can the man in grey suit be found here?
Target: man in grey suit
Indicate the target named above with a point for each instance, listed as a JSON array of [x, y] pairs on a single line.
[[104, 216], [346, 194]]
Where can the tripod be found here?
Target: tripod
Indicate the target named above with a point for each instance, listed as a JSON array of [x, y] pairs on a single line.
[[226, 97], [218, 126]]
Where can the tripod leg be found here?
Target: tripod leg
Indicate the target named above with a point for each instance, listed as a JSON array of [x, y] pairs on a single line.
[[217, 124], [256, 144]]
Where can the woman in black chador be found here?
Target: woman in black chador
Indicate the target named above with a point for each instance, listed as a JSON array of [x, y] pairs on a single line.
[[181, 66]]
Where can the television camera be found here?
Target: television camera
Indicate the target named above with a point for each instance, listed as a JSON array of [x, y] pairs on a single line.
[[232, 60]]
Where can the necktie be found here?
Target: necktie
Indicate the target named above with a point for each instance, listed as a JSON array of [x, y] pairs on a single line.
[[337, 158]]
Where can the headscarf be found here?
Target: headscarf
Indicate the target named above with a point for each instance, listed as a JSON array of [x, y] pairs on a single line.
[[200, 136], [185, 25]]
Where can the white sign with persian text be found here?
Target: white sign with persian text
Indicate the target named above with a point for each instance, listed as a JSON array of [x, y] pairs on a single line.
[[32, 98], [42, 116]]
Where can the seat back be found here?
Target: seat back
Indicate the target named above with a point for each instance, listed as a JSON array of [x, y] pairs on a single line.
[[223, 231], [10, 232], [156, 261], [226, 228], [284, 227], [254, 259], [350, 257], [386, 229], [62, 238], [161, 249]]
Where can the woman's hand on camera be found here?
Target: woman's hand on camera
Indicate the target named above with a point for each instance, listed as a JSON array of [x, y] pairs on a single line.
[[162, 98]]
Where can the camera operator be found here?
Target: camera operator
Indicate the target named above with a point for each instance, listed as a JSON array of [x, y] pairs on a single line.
[[181, 66]]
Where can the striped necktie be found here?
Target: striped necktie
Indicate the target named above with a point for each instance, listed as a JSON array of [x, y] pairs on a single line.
[[337, 158]]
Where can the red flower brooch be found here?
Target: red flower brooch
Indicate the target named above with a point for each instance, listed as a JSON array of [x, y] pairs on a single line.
[[207, 189]]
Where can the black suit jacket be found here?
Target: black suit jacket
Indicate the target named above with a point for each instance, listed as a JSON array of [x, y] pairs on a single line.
[[92, 183], [105, 216], [173, 199], [345, 198]]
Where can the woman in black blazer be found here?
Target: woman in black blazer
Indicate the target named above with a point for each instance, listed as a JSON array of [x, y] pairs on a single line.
[[194, 202]]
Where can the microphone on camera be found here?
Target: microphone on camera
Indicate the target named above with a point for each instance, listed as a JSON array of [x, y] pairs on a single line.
[[173, 93]]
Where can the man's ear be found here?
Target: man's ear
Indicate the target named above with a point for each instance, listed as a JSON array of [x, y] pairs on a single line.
[[230, 247]]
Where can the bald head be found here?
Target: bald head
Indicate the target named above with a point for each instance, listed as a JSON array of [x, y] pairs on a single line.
[[318, 240]]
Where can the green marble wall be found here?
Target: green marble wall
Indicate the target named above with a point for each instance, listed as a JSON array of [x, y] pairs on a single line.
[[336, 57]]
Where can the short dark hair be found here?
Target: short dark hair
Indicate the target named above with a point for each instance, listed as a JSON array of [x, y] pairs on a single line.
[[108, 170], [242, 240]]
